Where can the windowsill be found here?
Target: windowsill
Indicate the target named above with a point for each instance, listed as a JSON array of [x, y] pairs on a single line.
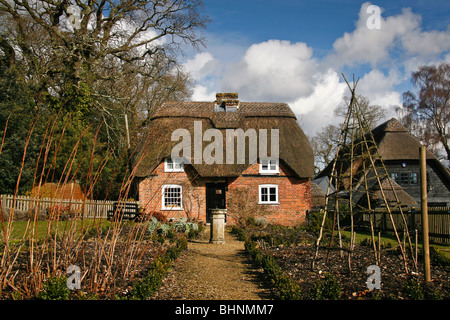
[[269, 172], [269, 203], [172, 209], [173, 170]]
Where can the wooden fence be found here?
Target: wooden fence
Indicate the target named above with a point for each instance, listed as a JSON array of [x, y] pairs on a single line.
[[84, 209], [439, 221]]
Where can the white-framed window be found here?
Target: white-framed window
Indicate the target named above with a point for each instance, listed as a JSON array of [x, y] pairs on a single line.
[[269, 166], [172, 197], [268, 193], [173, 165]]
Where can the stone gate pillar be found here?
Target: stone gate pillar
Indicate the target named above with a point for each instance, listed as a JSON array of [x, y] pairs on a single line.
[[218, 226]]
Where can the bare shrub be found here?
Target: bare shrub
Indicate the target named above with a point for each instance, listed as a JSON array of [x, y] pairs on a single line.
[[242, 210], [108, 253]]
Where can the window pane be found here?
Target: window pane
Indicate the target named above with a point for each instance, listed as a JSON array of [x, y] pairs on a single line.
[[172, 197], [174, 165], [178, 164], [264, 196], [394, 176], [404, 178], [268, 194], [414, 178], [265, 165]]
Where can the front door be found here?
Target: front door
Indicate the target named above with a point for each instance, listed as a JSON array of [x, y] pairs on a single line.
[[215, 198]]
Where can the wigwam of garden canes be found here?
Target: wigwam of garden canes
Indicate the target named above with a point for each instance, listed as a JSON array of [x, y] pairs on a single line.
[[356, 171]]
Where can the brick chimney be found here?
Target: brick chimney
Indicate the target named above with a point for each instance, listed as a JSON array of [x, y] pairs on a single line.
[[227, 101]]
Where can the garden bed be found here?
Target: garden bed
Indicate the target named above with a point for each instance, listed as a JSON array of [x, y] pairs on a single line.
[[293, 249], [128, 263]]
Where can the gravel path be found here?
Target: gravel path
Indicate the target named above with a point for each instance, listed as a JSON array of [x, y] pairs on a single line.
[[214, 272]]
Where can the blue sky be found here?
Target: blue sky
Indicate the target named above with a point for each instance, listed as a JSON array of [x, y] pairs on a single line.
[[295, 51]]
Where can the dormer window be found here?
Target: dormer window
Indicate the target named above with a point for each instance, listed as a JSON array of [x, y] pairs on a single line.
[[269, 166], [226, 102], [173, 165]]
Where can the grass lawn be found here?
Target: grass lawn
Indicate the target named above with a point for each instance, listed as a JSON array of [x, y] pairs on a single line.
[[360, 236], [41, 229]]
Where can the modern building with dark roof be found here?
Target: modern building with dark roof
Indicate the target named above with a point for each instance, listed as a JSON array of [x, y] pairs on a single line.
[[400, 153], [223, 161]]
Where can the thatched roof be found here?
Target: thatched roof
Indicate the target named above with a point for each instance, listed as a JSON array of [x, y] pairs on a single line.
[[392, 192], [393, 143], [295, 151]]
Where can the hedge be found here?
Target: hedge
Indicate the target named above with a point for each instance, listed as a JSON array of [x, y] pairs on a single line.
[[157, 271], [285, 287]]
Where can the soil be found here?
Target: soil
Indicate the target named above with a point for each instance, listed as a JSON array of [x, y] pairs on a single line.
[[297, 262], [99, 284], [295, 256]]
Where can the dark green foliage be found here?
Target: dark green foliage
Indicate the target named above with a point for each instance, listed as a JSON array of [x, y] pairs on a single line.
[[286, 288], [314, 222], [146, 288], [238, 232], [416, 290], [156, 272], [61, 139], [327, 288], [413, 290], [55, 288], [17, 115], [96, 231]]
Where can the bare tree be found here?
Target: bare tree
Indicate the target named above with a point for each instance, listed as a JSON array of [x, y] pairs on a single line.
[[102, 57], [372, 113], [325, 142], [430, 106], [88, 36], [324, 145]]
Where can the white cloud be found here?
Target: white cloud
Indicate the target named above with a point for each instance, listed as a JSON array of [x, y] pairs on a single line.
[[428, 43], [272, 70], [202, 65], [284, 71], [204, 70], [202, 93], [379, 88], [364, 45], [316, 110]]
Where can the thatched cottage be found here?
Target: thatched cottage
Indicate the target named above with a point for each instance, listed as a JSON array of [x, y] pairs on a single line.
[[400, 153], [223, 168]]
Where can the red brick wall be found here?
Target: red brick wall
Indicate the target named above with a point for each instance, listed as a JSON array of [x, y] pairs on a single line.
[[150, 193], [294, 194]]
